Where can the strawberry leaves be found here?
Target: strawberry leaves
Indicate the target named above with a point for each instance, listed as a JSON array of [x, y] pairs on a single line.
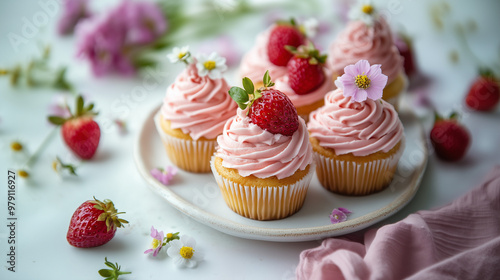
[[245, 96], [80, 110], [113, 273]]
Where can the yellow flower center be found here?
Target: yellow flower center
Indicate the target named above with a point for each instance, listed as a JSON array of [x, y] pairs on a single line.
[[336, 216], [367, 9], [23, 174], [181, 55], [55, 165], [16, 146], [362, 81], [169, 235], [186, 252], [156, 243], [209, 64]]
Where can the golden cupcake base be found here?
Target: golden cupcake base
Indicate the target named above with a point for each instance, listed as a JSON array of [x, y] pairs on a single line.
[[355, 175], [184, 152], [262, 199]]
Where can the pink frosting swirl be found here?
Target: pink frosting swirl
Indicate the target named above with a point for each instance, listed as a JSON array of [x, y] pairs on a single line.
[[373, 43], [254, 151], [199, 106], [360, 128], [256, 62], [298, 100]]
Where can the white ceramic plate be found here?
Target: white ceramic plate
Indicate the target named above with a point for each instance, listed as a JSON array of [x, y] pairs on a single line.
[[198, 196]]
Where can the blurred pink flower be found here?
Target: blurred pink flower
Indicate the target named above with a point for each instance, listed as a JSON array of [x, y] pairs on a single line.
[[225, 46], [145, 22], [111, 40], [73, 12], [58, 106]]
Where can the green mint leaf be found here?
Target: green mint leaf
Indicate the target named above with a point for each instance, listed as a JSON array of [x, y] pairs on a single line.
[[248, 86], [240, 96]]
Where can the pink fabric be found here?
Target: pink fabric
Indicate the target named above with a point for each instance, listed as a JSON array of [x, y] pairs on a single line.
[[458, 241]]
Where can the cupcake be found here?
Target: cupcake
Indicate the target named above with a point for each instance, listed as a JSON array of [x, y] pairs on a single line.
[[263, 163], [357, 138], [369, 37], [269, 53], [307, 80], [194, 111]]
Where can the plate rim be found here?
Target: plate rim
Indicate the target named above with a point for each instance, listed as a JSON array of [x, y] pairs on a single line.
[[276, 234]]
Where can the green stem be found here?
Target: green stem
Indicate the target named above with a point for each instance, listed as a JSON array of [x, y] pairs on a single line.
[[32, 159]]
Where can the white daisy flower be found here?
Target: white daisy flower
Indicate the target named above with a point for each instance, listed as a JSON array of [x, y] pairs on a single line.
[[179, 54], [310, 27], [212, 65], [365, 11], [184, 253]]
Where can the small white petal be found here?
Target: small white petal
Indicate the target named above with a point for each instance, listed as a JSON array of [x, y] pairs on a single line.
[[180, 261]]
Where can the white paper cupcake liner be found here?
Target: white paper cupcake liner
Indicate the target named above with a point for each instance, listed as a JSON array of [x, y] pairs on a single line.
[[353, 178], [264, 203], [190, 155]]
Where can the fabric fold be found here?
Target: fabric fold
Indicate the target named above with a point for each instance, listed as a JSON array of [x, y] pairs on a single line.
[[459, 240]]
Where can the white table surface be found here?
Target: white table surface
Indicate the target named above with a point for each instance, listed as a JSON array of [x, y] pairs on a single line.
[[45, 203]]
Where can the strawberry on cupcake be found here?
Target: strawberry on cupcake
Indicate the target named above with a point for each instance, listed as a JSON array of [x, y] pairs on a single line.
[[263, 163]]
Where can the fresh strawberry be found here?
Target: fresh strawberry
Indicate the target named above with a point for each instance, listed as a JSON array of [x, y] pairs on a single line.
[[80, 132], [484, 93], [270, 109], [449, 138], [93, 224], [283, 34], [305, 69]]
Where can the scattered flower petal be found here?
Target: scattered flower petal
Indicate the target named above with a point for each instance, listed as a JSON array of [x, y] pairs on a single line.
[[184, 252], [58, 106], [339, 215], [212, 65], [122, 126], [164, 176], [362, 81], [157, 242]]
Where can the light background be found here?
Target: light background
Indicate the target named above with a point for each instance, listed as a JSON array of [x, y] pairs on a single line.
[[45, 203]]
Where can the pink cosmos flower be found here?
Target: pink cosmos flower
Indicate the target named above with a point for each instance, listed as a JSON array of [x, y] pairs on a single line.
[[164, 176], [362, 81], [73, 12], [157, 243], [339, 215]]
